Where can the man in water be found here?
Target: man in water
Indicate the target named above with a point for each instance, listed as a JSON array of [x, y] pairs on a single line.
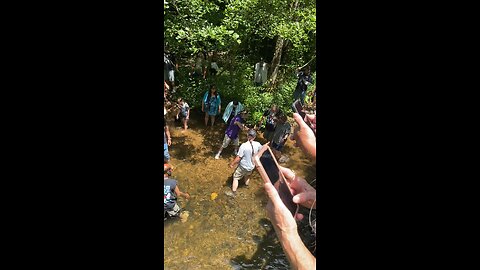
[[244, 160], [170, 193]]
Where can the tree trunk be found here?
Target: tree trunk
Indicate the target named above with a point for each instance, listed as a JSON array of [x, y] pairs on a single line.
[[276, 60], [277, 57]]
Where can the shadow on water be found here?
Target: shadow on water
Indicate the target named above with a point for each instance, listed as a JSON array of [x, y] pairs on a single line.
[[269, 254]]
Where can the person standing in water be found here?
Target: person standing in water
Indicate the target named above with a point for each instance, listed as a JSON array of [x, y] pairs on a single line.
[[244, 160], [280, 135], [271, 120], [183, 112], [211, 104], [232, 132]]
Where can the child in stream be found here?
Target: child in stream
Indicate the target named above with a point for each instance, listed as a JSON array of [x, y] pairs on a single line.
[[184, 112]]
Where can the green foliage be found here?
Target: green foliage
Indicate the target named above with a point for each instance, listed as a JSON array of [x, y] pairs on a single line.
[[239, 87], [244, 31]]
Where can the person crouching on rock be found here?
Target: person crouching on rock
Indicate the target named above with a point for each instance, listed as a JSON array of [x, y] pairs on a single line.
[[170, 193]]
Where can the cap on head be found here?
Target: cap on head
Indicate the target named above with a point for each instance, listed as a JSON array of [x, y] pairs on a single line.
[[252, 133], [167, 168]]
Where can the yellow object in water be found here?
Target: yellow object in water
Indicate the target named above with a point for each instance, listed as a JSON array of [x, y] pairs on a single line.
[[184, 216], [213, 196]]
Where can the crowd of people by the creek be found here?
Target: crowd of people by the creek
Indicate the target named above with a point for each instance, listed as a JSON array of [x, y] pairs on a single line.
[[277, 130]]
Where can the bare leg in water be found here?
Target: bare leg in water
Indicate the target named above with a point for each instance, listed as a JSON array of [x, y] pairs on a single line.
[[234, 185], [212, 118], [185, 126]]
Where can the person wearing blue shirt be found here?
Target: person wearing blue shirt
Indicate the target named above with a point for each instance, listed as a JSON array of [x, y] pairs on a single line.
[[211, 104]]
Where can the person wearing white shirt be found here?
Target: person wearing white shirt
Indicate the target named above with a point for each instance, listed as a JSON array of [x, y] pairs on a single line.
[[261, 71], [244, 160], [214, 67]]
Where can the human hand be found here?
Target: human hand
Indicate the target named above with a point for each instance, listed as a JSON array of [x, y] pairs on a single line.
[[281, 218], [187, 195], [169, 141], [311, 120], [304, 193], [304, 137]]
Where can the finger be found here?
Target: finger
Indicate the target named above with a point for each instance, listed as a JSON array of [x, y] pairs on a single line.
[[273, 196], [304, 197], [310, 117], [289, 174], [310, 122], [299, 121], [299, 216]]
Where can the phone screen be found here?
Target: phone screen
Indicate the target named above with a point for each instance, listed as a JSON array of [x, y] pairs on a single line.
[[298, 108], [275, 176]]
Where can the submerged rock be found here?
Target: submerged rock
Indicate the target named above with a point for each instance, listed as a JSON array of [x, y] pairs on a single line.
[[230, 194], [283, 159]]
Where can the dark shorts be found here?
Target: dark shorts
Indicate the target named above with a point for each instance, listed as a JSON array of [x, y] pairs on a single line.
[[268, 135], [171, 212]]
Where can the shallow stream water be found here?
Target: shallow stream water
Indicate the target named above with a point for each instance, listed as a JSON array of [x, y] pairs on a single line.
[[226, 232]]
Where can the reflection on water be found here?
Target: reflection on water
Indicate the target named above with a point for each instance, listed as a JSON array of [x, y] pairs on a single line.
[[223, 232]]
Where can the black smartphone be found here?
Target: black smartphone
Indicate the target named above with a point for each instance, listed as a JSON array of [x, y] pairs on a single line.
[[276, 178], [298, 108]]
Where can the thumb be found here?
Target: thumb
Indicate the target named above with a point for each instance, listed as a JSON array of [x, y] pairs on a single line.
[[300, 121], [289, 174], [304, 197]]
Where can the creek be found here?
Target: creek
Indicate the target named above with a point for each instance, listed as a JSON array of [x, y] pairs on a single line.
[[222, 232]]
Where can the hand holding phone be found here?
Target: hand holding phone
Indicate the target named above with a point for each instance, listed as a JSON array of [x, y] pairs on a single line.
[[304, 137], [297, 107], [270, 172]]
